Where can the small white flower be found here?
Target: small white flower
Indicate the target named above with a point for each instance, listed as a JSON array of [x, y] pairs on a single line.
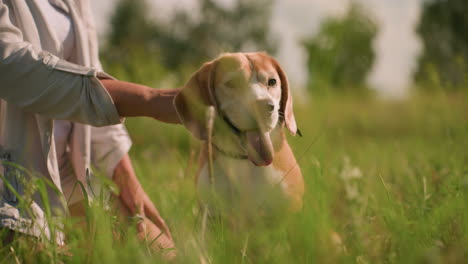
[[350, 175]]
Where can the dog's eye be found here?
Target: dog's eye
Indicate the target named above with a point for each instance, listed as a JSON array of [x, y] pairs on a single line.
[[271, 82]]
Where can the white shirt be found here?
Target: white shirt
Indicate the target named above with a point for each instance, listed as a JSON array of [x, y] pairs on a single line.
[[62, 28], [38, 87], [62, 31]]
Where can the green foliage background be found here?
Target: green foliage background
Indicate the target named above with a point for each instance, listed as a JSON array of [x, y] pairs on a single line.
[[443, 28], [170, 50], [386, 180], [341, 55]]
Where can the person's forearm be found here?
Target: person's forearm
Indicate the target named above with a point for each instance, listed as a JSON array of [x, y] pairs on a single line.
[[138, 100], [134, 197]]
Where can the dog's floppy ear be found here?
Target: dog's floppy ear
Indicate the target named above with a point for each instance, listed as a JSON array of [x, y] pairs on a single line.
[[193, 100], [286, 105]]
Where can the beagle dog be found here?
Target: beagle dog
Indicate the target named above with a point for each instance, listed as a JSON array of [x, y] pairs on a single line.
[[252, 163]]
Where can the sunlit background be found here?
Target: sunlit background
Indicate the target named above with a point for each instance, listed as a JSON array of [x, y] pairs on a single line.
[[381, 98], [396, 44]]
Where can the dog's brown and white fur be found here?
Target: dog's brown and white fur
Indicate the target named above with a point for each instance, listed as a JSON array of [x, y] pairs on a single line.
[[253, 103]]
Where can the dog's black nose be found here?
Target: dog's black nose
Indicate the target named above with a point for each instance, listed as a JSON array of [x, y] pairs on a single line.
[[266, 106]]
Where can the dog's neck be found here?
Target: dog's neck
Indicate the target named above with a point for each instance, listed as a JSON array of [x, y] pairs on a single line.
[[231, 154], [233, 145]]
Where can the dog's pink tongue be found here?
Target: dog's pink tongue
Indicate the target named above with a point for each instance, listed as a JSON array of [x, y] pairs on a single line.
[[259, 148]]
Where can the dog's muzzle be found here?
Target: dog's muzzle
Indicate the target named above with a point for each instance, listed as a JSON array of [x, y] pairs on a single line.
[[258, 146]]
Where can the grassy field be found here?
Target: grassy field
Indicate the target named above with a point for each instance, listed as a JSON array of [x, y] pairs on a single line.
[[386, 182]]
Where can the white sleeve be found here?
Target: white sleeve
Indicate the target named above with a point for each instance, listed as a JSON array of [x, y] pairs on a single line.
[[40, 82], [108, 146]]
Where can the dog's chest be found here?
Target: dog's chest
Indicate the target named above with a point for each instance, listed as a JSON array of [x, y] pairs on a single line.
[[237, 180]]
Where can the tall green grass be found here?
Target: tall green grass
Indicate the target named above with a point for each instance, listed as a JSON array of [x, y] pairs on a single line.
[[386, 182]]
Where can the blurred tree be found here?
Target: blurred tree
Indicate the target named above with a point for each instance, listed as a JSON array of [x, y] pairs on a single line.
[[193, 40], [185, 41], [130, 52], [341, 55], [444, 32], [130, 24]]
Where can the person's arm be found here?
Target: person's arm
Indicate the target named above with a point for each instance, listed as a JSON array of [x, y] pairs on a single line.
[[39, 82], [136, 202], [138, 100]]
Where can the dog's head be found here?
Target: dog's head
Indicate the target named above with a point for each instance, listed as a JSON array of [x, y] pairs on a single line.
[[250, 90]]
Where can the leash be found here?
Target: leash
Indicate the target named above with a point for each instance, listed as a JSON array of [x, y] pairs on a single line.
[[210, 114], [210, 118]]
